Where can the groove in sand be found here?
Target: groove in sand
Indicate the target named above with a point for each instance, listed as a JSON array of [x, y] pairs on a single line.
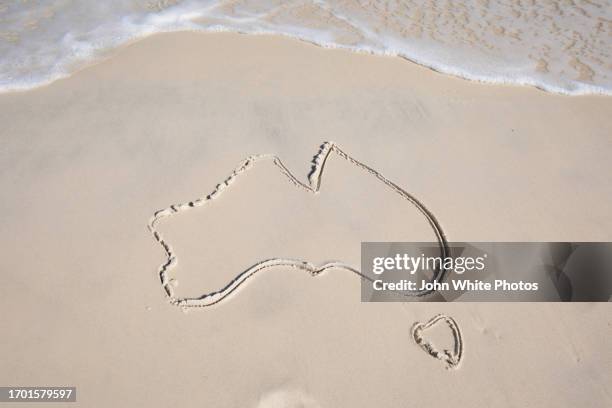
[[314, 183], [451, 358]]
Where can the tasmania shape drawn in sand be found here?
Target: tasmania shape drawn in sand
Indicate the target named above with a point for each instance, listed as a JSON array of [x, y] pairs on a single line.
[[452, 358], [312, 187]]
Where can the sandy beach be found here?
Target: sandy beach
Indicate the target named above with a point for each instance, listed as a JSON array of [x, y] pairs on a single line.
[[88, 160]]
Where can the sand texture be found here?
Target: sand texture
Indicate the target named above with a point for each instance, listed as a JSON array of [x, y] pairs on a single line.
[[87, 161]]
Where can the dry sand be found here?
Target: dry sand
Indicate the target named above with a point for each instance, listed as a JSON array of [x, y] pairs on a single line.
[[86, 161]]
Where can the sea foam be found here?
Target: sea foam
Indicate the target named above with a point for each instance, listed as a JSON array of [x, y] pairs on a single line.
[[558, 46]]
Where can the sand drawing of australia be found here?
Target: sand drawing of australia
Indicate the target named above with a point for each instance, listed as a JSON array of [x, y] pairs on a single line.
[[311, 187]]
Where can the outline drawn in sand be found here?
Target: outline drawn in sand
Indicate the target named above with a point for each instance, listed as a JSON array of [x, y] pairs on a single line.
[[451, 358], [314, 183]]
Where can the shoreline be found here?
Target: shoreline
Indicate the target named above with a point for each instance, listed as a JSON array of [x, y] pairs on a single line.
[[111, 52]]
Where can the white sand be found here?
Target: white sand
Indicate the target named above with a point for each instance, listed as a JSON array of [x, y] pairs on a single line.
[[86, 161]]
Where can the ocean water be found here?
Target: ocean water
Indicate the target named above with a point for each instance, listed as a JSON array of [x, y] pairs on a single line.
[[561, 46]]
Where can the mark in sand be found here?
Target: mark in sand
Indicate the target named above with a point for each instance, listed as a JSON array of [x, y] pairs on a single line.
[[451, 358], [313, 186]]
